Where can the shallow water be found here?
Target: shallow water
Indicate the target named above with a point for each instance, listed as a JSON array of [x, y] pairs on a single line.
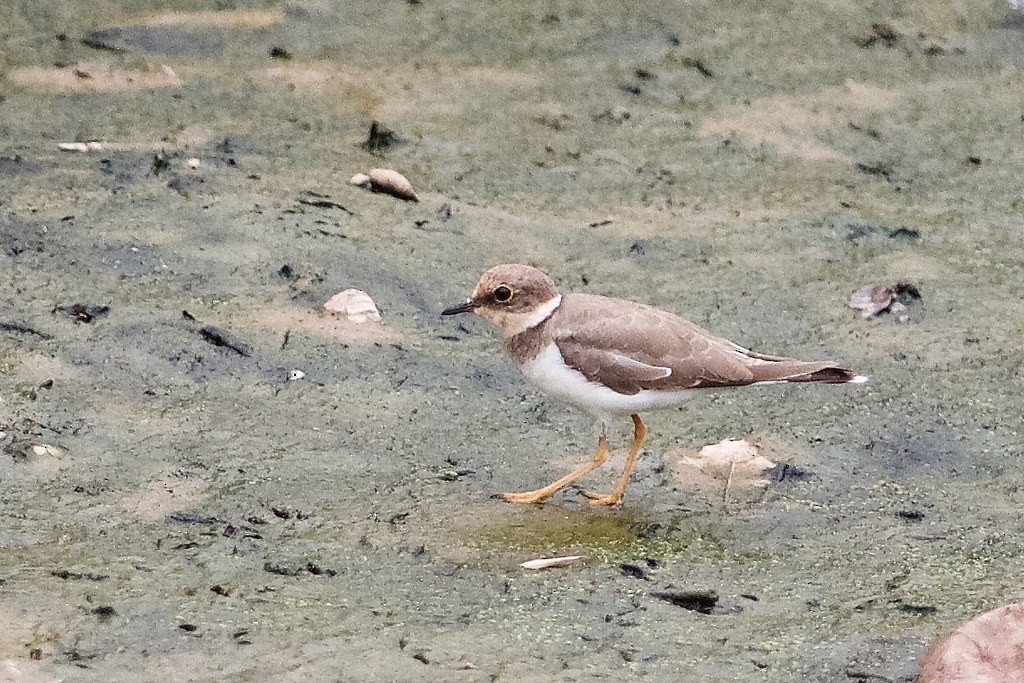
[[211, 520]]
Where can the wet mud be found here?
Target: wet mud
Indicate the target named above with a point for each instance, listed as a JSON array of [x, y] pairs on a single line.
[[180, 504]]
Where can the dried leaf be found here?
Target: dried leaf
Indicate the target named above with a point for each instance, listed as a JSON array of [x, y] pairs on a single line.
[[733, 464]]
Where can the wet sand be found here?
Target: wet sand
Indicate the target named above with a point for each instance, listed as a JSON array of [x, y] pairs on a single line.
[[176, 510]]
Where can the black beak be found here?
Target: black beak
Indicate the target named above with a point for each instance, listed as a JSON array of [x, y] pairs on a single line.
[[467, 307]]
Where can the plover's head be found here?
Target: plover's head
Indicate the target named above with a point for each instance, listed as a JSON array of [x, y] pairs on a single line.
[[512, 297]]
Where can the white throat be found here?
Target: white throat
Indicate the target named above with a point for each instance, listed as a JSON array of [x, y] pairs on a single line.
[[542, 312], [512, 324]]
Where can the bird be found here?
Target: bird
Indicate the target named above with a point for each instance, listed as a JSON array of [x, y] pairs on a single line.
[[613, 357]]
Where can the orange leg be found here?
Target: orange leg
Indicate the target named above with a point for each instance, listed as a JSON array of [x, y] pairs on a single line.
[[540, 495], [615, 497]]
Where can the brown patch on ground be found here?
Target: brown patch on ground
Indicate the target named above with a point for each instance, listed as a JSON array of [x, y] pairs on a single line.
[[240, 18], [325, 325], [163, 495], [792, 124], [395, 93], [95, 77]]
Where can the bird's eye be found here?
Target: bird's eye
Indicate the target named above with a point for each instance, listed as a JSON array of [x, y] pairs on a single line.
[[502, 294]]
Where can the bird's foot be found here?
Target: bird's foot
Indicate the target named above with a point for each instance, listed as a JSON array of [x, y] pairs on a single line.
[[523, 498], [613, 499]]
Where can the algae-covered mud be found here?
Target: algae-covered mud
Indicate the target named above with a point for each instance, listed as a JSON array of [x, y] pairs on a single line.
[[203, 478]]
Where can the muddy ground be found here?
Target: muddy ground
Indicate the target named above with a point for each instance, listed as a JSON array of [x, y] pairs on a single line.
[[176, 510]]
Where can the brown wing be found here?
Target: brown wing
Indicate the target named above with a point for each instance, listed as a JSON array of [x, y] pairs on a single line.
[[671, 353]]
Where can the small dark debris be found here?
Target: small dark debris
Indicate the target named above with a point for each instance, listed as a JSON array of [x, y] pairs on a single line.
[[96, 43], [76, 655], [917, 610], [694, 601], [633, 571], [906, 293], [905, 234], [381, 138], [444, 212], [35, 654], [645, 75], [870, 132], [698, 64], [191, 517], [885, 34], [187, 545], [317, 570], [750, 596], [104, 612], [286, 272], [974, 160], [22, 329], [78, 576], [550, 19], [83, 313], [221, 337], [398, 517], [221, 589], [159, 164], [786, 472], [188, 316], [281, 513], [420, 657], [311, 199], [910, 515], [281, 570], [637, 249], [278, 52], [188, 628], [631, 88], [882, 170], [652, 562]]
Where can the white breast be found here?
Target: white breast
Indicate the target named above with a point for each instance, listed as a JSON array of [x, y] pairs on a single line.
[[556, 379]]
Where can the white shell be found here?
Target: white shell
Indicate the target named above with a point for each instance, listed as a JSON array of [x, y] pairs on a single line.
[[193, 163], [47, 449], [872, 299], [295, 375], [548, 562], [361, 180], [91, 146], [354, 304], [385, 181]]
